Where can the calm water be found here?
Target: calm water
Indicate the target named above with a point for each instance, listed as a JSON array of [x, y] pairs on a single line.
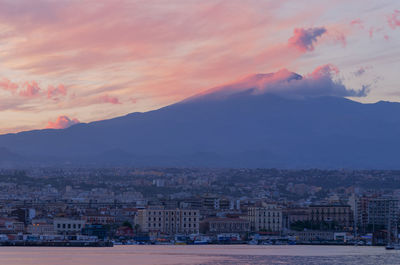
[[243, 254]]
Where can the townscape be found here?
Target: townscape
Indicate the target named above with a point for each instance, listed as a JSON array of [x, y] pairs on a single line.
[[102, 207]]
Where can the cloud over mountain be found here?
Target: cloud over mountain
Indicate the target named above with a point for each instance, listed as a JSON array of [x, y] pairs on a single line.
[[322, 81], [62, 122]]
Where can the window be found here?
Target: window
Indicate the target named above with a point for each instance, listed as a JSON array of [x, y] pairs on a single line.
[[64, 226], [58, 225]]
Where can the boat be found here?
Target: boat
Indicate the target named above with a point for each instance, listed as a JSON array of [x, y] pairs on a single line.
[[393, 246]]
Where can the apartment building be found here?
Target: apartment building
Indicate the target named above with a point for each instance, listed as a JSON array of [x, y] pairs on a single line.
[[169, 221], [265, 218]]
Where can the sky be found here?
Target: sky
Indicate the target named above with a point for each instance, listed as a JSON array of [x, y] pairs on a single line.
[[64, 62]]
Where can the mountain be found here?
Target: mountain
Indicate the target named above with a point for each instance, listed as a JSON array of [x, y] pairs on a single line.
[[242, 124]]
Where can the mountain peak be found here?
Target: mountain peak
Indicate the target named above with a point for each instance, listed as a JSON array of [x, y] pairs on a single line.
[[251, 84], [323, 81]]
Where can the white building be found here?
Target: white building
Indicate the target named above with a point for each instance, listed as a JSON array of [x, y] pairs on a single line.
[[266, 218], [68, 226]]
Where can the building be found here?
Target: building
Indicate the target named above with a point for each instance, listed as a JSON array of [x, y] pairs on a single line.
[[99, 219], [266, 218], [294, 215], [68, 226], [314, 235], [227, 225], [335, 214], [41, 227], [362, 212], [382, 210], [169, 221]]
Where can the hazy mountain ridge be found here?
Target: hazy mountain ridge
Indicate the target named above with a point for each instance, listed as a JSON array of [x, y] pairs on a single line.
[[240, 129]]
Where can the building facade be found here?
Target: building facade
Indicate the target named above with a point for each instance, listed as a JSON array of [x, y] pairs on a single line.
[[169, 221], [68, 226], [381, 211], [228, 225], [340, 215], [266, 218]]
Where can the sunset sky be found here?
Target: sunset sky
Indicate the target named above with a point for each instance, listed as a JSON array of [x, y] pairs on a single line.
[[63, 62]]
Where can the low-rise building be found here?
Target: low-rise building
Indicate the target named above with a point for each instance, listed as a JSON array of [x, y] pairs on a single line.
[[227, 225], [41, 227], [314, 235], [68, 226]]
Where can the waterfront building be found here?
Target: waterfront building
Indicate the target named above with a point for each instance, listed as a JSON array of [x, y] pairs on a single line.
[[68, 226], [227, 225], [169, 221], [381, 211], [265, 218], [314, 235], [41, 227], [336, 214]]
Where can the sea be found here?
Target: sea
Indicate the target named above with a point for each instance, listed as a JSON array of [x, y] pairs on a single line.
[[198, 254]]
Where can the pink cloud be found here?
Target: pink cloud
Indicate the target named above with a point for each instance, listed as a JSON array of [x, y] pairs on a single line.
[[371, 32], [357, 22], [305, 39], [32, 89], [109, 99], [324, 70], [133, 100], [62, 122], [6, 84], [394, 19], [55, 91]]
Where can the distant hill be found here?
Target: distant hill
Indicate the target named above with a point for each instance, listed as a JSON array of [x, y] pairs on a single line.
[[237, 125]]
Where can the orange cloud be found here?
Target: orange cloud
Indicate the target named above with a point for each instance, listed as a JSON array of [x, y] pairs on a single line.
[[55, 91], [6, 84], [32, 89], [62, 122], [109, 99]]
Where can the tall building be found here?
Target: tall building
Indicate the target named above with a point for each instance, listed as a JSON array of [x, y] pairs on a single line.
[[169, 221], [381, 211], [266, 218]]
